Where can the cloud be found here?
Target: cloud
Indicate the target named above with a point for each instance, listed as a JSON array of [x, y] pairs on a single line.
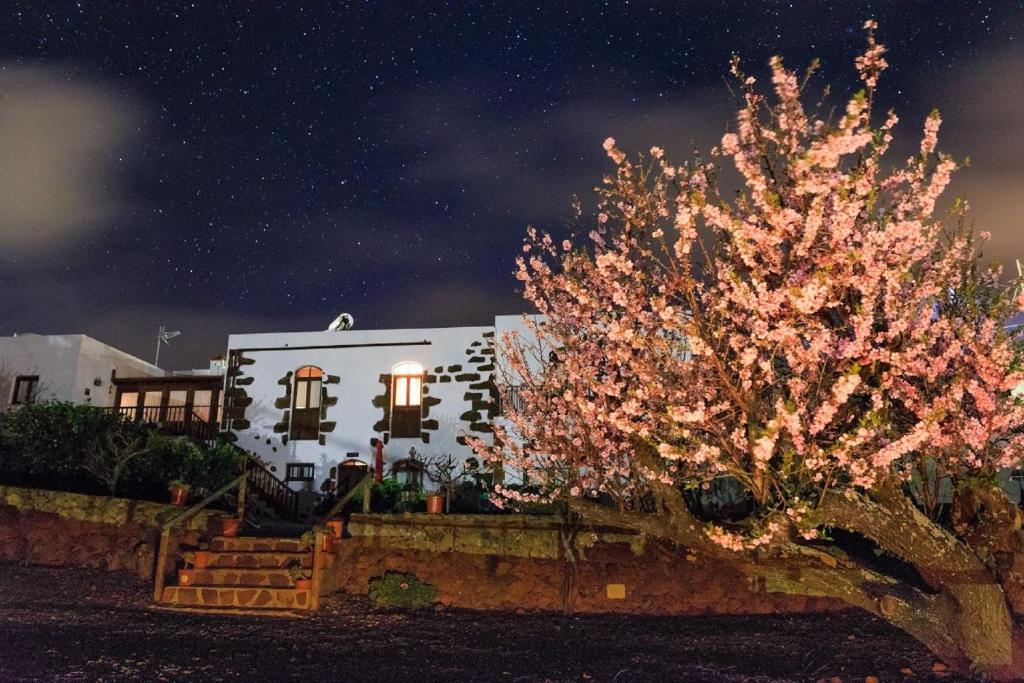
[[983, 114], [59, 144]]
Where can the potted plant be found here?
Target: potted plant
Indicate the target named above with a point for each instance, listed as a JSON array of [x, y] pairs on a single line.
[[202, 556], [337, 527], [307, 539], [435, 503], [229, 526], [301, 577], [179, 490], [187, 575], [442, 469]]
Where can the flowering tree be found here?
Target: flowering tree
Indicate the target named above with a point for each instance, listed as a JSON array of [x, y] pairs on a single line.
[[818, 337]]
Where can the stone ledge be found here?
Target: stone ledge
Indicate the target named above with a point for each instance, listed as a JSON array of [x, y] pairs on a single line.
[[99, 509]]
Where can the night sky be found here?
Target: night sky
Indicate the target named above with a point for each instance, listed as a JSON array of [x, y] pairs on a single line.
[[253, 166]]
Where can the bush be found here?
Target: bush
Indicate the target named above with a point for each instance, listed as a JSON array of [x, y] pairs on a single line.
[[384, 497], [44, 444], [406, 591], [48, 445]]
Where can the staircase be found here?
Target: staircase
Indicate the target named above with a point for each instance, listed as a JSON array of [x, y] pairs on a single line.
[[248, 574]]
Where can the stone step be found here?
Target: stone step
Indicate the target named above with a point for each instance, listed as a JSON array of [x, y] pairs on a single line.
[[264, 559], [230, 576], [255, 543], [244, 597]]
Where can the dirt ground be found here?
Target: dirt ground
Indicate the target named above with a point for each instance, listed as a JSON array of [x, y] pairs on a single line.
[[82, 625]]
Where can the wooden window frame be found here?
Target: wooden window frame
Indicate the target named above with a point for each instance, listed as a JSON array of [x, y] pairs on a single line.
[[31, 393], [407, 417], [305, 421], [300, 471]]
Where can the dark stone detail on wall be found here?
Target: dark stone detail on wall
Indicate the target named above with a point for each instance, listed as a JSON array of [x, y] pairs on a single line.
[[461, 440], [425, 390], [445, 379], [487, 334], [229, 436], [283, 403], [240, 424], [281, 428], [472, 396], [468, 377], [477, 359], [482, 405], [373, 442], [242, 402], [383, 402], [480, 385], [477, 343], [286, 381], [322, 440], [430, 379], [332, 379], [486, 368], [234, 413], [428, 403], [268, 442], [425, 436], [284, 440], [470, 416], [489, 351], [431, 425], [454, 368], [244, 381], [439, 369], [481, 427], [328, 426]]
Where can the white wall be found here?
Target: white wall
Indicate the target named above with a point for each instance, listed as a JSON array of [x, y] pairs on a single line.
[[358, 358], [71, 367]]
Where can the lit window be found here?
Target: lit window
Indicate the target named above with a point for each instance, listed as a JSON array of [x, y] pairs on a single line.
[[407, 395], [306, 407], [25, 389]]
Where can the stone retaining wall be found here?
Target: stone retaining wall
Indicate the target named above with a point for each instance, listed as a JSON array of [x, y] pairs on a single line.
[[70, 529], [520, 562]]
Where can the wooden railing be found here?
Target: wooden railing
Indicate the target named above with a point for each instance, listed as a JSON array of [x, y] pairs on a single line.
[[177, 420], [185, 515], [277, 493], [320, 529]]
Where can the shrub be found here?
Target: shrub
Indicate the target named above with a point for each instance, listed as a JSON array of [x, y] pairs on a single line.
[[45, 444], [406, 591]]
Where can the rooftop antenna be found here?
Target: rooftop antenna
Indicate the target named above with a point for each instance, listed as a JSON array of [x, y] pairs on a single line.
[[163, 337]]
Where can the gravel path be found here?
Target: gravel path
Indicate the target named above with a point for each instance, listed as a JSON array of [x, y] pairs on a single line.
[[81, 625]]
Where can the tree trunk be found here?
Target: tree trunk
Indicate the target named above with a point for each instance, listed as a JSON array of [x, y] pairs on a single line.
[[965, 620]]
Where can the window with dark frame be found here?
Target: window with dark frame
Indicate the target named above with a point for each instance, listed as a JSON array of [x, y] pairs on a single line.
[[299, 471], [25, 388], [305, 421], [406, 400]]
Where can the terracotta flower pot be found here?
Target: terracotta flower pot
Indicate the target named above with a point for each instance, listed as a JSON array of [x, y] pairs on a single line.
[[179, 496], [229, 526], [337, 527], [303, 584], [202, 559], [328, 543], [435, 505], [186, 577]]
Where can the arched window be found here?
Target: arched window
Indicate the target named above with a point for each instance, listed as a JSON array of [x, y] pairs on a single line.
[[406, 399], [306, 404]]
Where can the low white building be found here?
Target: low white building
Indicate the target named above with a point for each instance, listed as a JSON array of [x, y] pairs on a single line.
[[307, 402], [64, 367]]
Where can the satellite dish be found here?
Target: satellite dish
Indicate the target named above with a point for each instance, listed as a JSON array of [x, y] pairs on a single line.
[[342, 322]]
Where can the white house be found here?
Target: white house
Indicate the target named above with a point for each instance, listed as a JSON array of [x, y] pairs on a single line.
[[64, 367], [306, 402]]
